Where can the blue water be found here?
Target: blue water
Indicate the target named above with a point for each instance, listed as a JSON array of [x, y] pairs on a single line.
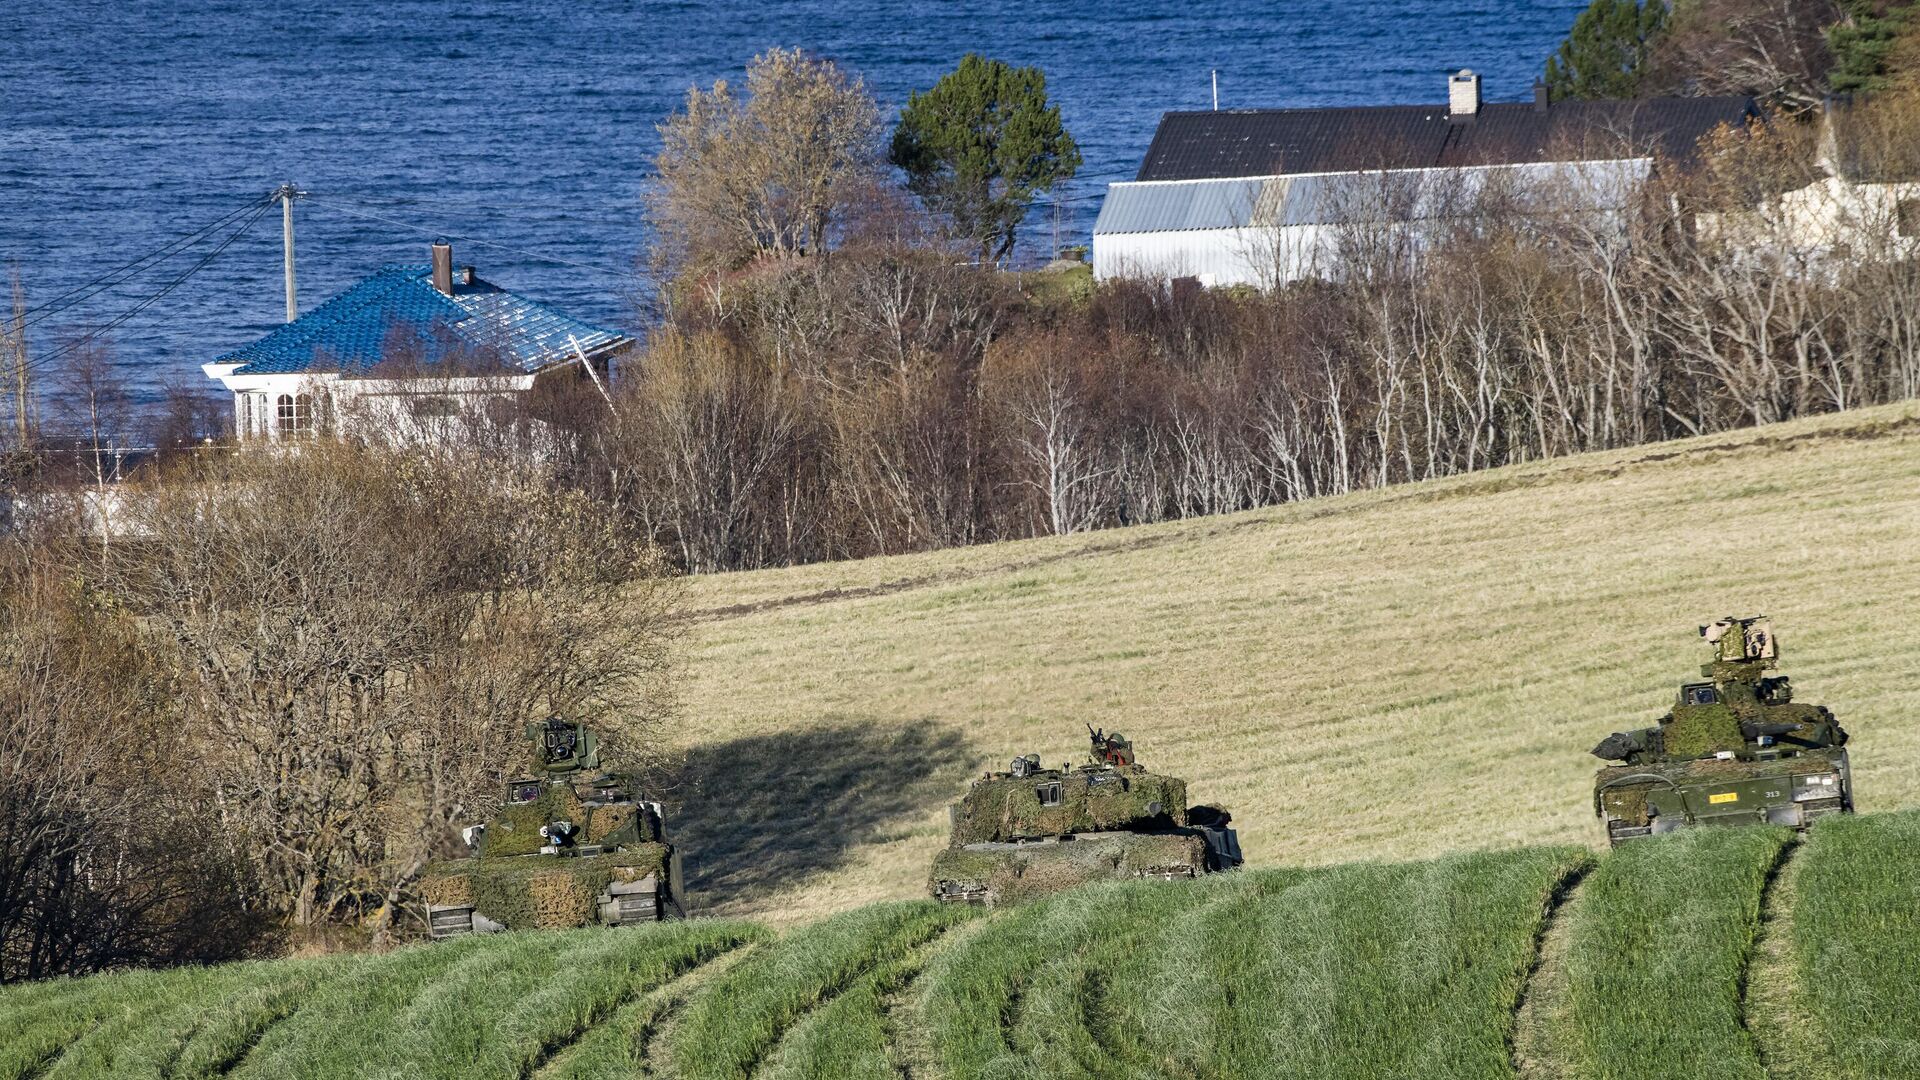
[[126, 125]]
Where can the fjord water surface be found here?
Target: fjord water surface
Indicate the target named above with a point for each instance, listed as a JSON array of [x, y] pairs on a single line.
[[123, 126]]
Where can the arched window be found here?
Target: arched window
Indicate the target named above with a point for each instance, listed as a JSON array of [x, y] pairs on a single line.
[[295, 414]]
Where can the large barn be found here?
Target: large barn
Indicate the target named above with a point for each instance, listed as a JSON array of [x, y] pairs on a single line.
[[1266, 196]]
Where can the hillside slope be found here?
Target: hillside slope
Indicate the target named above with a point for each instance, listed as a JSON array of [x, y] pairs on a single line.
[[1387, 675], [1714, 952]]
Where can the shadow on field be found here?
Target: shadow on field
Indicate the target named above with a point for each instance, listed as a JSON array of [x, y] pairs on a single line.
[[762, 813]]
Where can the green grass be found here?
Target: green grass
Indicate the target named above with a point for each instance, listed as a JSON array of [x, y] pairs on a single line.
[[737, 1022], [1660, 942], [482, 1007], [192, 1025], [1405, 970], [1857, 941]]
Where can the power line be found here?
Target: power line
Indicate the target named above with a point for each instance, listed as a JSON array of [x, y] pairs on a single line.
[[259, 211], [126, 271], [437, 205], [473, 240]]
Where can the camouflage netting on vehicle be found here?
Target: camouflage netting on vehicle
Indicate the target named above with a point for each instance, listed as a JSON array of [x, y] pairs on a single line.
[[1015, 872], [539, 893], [1712, 769], [1009, 808], [1628, 801], [1702, 731], [515, 830]]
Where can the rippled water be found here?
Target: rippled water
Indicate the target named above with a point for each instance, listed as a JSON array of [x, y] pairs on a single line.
[[124, 126]]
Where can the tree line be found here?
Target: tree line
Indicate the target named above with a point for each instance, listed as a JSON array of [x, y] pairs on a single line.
[[884, 395]]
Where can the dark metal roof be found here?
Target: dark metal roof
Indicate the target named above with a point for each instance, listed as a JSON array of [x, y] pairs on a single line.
[[1281, 142], [352, 331]]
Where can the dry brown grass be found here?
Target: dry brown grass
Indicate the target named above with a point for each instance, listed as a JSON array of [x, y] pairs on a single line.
[[1387, 675]]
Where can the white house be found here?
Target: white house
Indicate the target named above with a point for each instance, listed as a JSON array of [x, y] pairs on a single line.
[[405, 353], [1266, 196], [1864, 204]]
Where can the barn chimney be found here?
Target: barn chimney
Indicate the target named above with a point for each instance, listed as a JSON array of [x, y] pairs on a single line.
[[1463, 95], [443, 267], [1541, 98]]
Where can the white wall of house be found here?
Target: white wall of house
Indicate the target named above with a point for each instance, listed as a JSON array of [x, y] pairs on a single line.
[[1262, 257], [425, 410], [1827, 218], [1266, 231]]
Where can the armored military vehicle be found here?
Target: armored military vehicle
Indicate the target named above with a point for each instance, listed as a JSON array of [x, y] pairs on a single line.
[[1032, 830], [570, 846], [1735, 750]]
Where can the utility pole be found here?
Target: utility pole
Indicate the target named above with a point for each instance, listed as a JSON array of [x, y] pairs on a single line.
[[16, 341], [286, 194]]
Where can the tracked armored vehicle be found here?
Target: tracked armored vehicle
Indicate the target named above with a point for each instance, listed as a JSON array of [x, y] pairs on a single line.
[[570, 846], [1032, 830], [1735, 750]]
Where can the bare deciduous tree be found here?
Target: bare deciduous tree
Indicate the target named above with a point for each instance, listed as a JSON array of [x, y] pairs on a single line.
[[360, 636], [767, 171]]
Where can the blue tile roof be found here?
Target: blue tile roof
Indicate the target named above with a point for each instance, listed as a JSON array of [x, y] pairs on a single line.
[[397, 310]]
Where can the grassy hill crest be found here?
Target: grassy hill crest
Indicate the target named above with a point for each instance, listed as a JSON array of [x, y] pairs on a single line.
[[1390, 674]]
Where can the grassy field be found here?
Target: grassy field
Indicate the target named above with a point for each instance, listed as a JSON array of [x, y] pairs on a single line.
[[1659, 945], [1387, 675], [1393, 692], [1348, 972], [1856, 943]]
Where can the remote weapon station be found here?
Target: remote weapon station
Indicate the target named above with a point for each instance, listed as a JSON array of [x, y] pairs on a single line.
[[571, 846], [1029, 830], [1735, 750]]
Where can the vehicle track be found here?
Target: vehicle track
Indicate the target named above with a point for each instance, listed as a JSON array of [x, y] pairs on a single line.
[[642, 1016], [1542, 994], [889, 978], [700, 958], [1771, 1007]]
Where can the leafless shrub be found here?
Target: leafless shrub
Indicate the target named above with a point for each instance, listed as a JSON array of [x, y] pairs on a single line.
[[360, 635]]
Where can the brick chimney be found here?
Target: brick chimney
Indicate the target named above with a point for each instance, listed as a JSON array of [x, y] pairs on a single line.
[[1463, 95], [1541, 97], [443, 267]]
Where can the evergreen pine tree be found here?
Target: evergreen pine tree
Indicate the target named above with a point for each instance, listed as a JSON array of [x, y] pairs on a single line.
[[1607, 49], [1863, 42], [980, 145]]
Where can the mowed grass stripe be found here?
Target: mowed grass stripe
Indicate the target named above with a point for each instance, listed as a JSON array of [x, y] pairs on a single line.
[[1856, 931], [42, 1030], [973, 996], [1063, 1026], [1660, 942], [196, 1026], [847, 1037], [737, 1022], [347, 1010], [1407, 971], [1174, 975], [501, 1008], [618, 1047]]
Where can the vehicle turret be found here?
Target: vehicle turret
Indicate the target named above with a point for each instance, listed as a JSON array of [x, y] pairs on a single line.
[[1031, 829], [570, 845], [1735, 748]]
